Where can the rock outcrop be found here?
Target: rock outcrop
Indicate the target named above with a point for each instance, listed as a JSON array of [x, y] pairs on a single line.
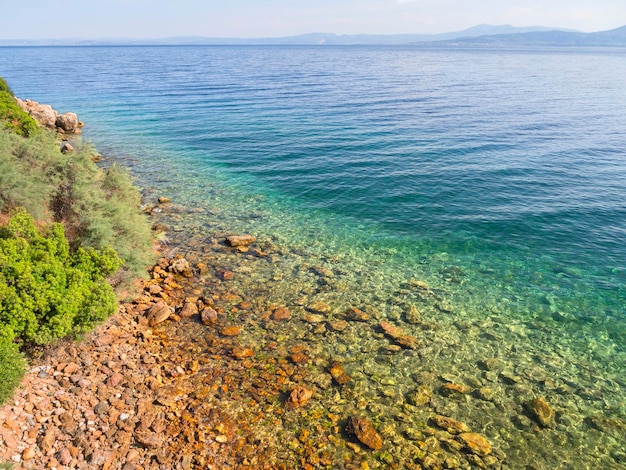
[[48, 117]]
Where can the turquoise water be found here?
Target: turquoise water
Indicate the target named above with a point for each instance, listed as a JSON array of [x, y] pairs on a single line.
[[497, 176]]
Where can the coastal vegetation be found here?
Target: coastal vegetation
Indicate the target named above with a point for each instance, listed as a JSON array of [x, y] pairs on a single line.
[[67, 228]]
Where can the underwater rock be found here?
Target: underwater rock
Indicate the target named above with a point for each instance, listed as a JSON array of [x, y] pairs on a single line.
[[240, 240], [452, 389], [208, 316], [398, 335], [420, 396], [364, 431], [158, 313], [355, 314], [476, 443], [230, 331], [190, 308], [298, 397], [319, 307], [180, 266], [541, 412], [281, 313], [239, 352], [419, 284], [338, 373], [451, 425], [164, 200], [413, 315]]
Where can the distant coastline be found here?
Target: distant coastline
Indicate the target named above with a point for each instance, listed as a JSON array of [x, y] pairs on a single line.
[[481, 35]]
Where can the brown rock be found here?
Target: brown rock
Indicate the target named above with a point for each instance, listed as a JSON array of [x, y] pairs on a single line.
[[240, 240], [48, 440], [451, 425], [115, 379], [239, 352], [64, 456], [154, 289], [230, 331], [541, 412], [338, 373], [319, 307], [71, 368], [149, 440], [281, 313], [208, 316], [164, 200], [298, 397], [356, 314], [398, 335], [158, 313], [338, 325], [29, 453], [189, 309], [66, 147], [179, 266], [476, 443], [450, 389], [364, 431]]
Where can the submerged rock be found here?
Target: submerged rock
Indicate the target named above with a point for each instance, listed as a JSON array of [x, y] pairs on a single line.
[[476, 443], [364, 431], [240, 240], [298, 397], [208, 316], [451, 425], [319, 307], [338, 373], [541, 412]]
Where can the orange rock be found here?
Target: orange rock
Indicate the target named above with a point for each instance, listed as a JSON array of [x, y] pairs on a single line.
[[239, 352], [298, 397], [476, 443], [364, 431], [240, 240], [356, 314], [230, 331], [338, 373], [281, 313], [541, 412], [451, 425], [452, 389]]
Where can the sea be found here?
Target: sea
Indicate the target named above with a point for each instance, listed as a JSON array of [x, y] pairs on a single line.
[[473, 197]]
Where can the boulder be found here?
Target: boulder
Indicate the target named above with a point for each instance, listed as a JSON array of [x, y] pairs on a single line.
[[42, 113], [68, 122]]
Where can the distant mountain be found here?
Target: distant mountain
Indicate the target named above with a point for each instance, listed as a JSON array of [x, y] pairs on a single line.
[[303, 39], [612, 38]]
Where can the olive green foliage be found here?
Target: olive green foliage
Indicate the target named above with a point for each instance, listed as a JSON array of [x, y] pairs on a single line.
[[12, 116], [98, 207]]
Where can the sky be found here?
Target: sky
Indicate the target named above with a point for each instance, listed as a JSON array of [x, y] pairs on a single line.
[[100, 19]]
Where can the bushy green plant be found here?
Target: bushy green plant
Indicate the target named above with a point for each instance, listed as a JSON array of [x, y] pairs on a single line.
[[15, 118], [12, 363], [48, 291], [4, 86], [98, 207]]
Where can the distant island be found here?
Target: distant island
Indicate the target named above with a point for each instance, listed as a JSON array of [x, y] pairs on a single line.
[[481, 36]]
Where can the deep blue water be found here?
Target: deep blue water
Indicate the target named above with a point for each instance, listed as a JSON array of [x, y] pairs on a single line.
[[512, 162]]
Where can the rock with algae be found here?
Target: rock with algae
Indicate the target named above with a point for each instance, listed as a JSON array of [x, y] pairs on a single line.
[[542, 412]]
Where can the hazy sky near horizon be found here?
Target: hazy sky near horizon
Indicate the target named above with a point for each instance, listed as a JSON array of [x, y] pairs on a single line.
[[98, 19]]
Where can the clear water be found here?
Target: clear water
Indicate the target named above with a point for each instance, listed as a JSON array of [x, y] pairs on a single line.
[[496, 176]]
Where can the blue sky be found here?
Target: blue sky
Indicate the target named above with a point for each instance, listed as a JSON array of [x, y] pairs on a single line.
[[47, 19]]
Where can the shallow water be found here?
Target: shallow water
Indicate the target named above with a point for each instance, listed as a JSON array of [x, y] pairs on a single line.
[[496, 177]]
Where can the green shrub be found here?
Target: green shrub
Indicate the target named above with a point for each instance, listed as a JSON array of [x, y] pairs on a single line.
[[98, 207], [48, 291], [15, 118], [4, 86], [12, 364]]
